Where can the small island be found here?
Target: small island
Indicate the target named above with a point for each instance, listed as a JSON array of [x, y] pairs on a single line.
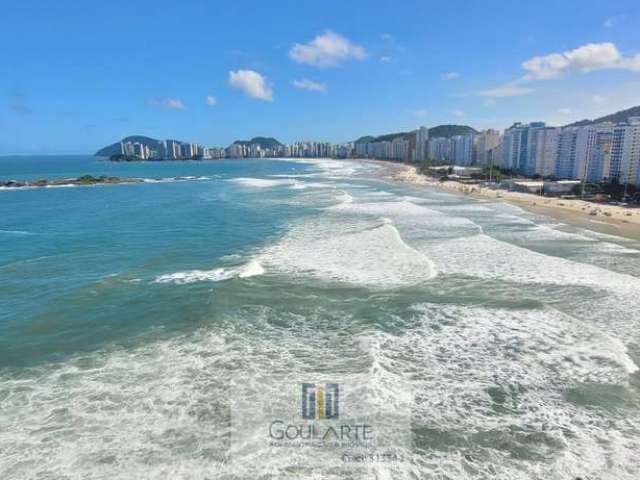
[[63, 182], [89, 180]]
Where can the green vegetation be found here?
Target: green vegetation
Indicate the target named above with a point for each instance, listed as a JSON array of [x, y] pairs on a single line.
[[114, 149], [388, 137], [439, 131], [263, 142], [451, 131], [90, 180], [618, 117]]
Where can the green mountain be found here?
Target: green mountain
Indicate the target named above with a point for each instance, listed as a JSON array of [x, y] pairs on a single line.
[[618, 117], [263, 142], [387, 137], [439, 131], [365, 139], [451, 131], [114, 149]]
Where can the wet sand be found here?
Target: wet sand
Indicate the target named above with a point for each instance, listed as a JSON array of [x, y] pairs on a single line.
[[604, 218]]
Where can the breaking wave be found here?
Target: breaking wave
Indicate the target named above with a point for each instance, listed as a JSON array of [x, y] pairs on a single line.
[[251, 269]]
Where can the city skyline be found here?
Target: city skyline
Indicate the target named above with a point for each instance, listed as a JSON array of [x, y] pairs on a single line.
[[605, 150], [306, 72]]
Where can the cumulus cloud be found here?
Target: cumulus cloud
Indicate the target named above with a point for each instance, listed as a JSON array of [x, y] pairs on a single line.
[[565, 111], [450, 76], [509, 90], [593, 56], [598, 99], [327, 50], [252, 84], [587, 58], [167, 103], [305, 84], [457, 113], [210, 100], [386, 59]]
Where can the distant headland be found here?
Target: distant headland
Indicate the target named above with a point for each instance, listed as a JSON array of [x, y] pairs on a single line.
[[140, 147]]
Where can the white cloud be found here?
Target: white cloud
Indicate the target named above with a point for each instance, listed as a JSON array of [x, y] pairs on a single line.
[[418, 112], [457, 113], [565, 111], [450, 76], [327, 50], [386, 59], [509, 90], [167, 103], [210, 100], [305, 84], [252, 84], [598, 99], [593, 56], [489, 102]]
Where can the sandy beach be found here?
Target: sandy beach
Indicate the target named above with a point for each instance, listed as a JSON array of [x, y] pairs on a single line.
[[612, 219]]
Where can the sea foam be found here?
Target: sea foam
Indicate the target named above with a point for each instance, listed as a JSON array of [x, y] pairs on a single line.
[[251, 269], [372, 255]]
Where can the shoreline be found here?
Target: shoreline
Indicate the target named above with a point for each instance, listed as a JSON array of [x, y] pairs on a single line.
[[603, 218]]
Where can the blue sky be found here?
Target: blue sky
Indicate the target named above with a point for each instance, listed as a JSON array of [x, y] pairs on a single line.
[[75, 76]]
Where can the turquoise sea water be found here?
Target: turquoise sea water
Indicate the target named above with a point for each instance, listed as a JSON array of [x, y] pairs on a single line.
[[128, 311]]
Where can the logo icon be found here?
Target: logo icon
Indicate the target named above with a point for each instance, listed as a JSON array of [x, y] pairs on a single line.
[[320, 401]]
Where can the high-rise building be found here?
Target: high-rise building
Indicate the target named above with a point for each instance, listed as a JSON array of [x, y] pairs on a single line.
[[484, 143], [462, 149], [598, 165], [574, 150], [140, 150], [439, 150], [422, 139], [400, 149], [173, 150], [519, 146], [511, 141], [545, 144], [625, 152], [566, 155], [186, 149]]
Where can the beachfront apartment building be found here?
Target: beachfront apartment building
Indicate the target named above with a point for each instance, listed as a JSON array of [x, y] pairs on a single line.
[[135, 149], [401, 149], [545, 145], [485, 144], [625, 152], [439, 150], [594, 153], [567, 153], [519, 148], [462, 150], [599, 161], [511, 141], [422, 139]]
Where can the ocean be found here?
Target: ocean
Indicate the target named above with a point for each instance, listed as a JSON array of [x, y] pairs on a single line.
[[146, 328]]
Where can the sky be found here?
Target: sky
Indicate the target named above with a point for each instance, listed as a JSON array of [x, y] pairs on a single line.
[[75, 76]]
